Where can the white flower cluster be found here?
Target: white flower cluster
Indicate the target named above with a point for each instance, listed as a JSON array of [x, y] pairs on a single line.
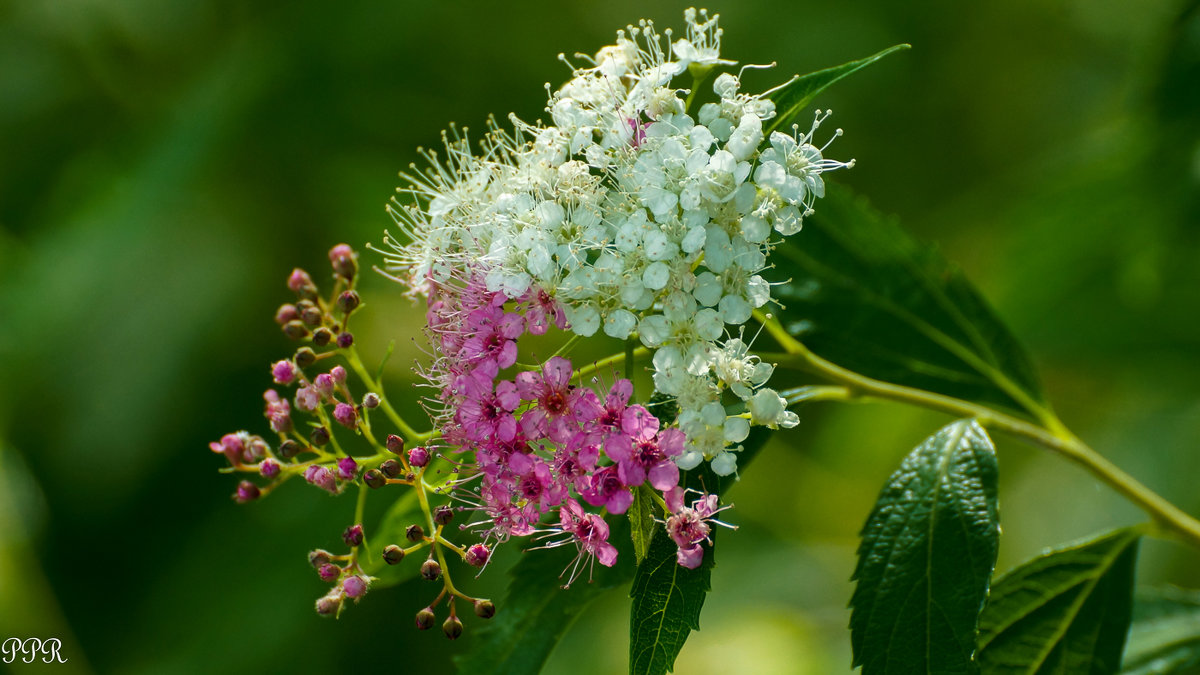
[[636, 216]]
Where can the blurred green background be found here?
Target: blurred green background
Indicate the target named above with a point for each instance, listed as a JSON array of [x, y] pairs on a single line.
[[164, 165]]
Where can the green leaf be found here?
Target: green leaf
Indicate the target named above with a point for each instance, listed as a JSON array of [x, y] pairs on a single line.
[[1165, 636], [403, 512], [641, 519], [928, 550], [537, 610], [1065, 612], [792, 97], [866, 296], [667, 598]]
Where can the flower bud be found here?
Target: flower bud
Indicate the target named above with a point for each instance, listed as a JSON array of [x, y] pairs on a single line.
[[477, 555], [452, 627], [393, 554], [390, 468], [370, 400], [246, 492], [329, 572], [344, 340], [321, 477], [395, 444], [431, 570], [374, 479], [324, 384], [305, 356], [414, 533], [319, 557], [348, 301], [338, 374], [353, 536], [311, 315], [344, 261], [319, 436], [355, 586], [256, 449], [302, 284], [284, 372], [269, 468], [322, 336], [443, 514], [286, 313], [329, 605], [345, 415], [289, 449], [295, 330], [347, 468], [425, 619], [485, 609], [418, 457]]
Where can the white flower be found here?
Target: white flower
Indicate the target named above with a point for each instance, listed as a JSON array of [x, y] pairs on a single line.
[[769, 409]]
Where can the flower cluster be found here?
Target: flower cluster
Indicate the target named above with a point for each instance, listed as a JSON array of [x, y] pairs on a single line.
[[640, 213], [630, 216]]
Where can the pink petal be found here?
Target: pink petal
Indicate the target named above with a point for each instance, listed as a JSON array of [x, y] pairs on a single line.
[[671, 442], [508, 354], [506, 394], [619, 394], [530, 385], [639, 423], [674, 499], [506, 428], [618, 447], [557, 372], [606, 553], [690, 557], [664, 475], [631, 473], [619, 502]]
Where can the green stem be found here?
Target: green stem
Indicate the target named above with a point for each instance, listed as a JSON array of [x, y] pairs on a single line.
[[1169, 517], [356, 364]]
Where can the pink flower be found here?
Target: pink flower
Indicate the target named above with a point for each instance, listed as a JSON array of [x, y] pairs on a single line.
[[541, 310], [486, 414], [278, 412], [689, 527], [558, 404], [604, 488], [493, 338], [649, 452], [590, 531]]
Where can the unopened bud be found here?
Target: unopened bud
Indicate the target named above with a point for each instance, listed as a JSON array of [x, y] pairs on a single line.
[[425, 619], [305, 357], [286, 313], [418, 457], [289, 449], [319, 436], [390, 468], [344, 340], [348, 301], [355, 586], [295, 329], [302, 284], [414, 533], [477, 555], [319, 557], [374, 479], [246, 492], [329, 572], [370, 400], [485, 609], [431, 570], [346, 415], [269, 468], [344, 261], [452, 627], [338, 374], [353, 536], [329, 605], [395, 444], [393, 554], [443, 514], [311, 315], [322, 336]]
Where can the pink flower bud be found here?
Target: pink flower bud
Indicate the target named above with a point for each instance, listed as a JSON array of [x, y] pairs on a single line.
[[418, 457], [355, 586], [284, 372], [347, 467], [345, 415]]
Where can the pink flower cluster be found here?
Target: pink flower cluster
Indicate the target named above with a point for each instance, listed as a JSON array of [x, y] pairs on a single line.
[[540, 442]]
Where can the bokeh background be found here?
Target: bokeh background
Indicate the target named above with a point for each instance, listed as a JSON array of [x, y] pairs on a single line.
[[164, 165]]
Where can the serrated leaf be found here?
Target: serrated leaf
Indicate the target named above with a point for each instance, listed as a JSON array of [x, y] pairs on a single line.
[[1165, 636], [405, 511], [667, 598], [1065, 612], [866, 296], [641, 520], [791, 98], [537, 610], [928, 550]]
